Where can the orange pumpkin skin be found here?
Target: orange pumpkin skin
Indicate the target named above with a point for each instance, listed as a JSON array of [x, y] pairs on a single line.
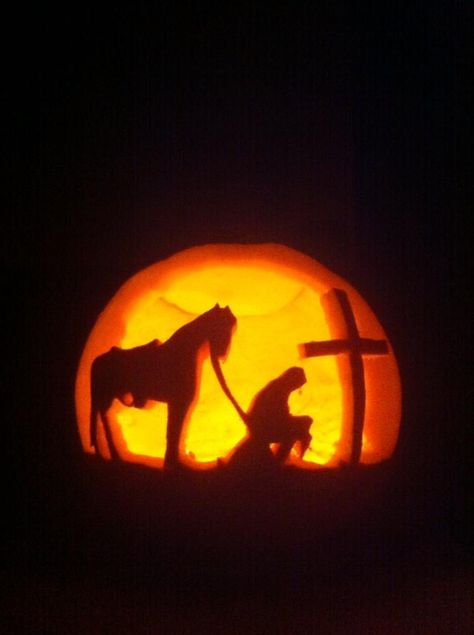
[[277, 295]]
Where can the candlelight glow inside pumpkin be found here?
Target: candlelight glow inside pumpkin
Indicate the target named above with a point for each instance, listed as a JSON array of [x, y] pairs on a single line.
[[275, 294]]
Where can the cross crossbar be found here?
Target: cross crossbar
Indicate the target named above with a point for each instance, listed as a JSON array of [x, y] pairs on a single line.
[[334, 347]]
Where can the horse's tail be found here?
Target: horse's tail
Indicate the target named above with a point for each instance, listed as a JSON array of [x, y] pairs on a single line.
[[93, 427], [94, 407], [221, 379]]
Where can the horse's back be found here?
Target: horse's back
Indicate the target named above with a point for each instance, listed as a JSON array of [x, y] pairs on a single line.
[[121, 369]]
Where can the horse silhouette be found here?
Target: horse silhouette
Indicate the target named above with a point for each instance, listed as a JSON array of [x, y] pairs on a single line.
[[166, 372]]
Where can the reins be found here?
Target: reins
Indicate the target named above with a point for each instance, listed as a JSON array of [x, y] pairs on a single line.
[[222, 381]]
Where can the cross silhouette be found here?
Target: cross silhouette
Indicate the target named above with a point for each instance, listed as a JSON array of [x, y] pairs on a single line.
[[356, 347]]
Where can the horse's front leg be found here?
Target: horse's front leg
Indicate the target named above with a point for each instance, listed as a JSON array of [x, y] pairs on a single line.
[[177, 411]]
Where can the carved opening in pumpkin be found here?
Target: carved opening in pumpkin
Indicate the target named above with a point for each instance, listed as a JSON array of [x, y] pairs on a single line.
[[275, 294]]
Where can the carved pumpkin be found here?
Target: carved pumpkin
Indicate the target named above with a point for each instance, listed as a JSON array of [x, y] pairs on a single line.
[[291, 311]]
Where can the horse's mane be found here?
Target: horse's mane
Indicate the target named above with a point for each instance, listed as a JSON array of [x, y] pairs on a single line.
[[216, 309]]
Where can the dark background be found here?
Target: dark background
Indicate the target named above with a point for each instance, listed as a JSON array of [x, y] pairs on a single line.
[[132, 136]]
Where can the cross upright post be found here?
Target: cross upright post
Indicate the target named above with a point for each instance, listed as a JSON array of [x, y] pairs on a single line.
[[355, 346]]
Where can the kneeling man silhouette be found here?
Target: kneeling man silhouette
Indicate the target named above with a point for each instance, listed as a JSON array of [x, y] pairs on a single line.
[[269, 421]]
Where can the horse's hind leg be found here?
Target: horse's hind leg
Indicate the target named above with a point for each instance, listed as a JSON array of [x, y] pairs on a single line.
[[108, 435], [176, 418]]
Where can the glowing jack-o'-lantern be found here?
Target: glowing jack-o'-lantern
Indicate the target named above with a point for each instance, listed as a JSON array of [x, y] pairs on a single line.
[[290, 311]]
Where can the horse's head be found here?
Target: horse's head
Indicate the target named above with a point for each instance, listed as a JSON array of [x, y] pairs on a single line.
[[222, 323]]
